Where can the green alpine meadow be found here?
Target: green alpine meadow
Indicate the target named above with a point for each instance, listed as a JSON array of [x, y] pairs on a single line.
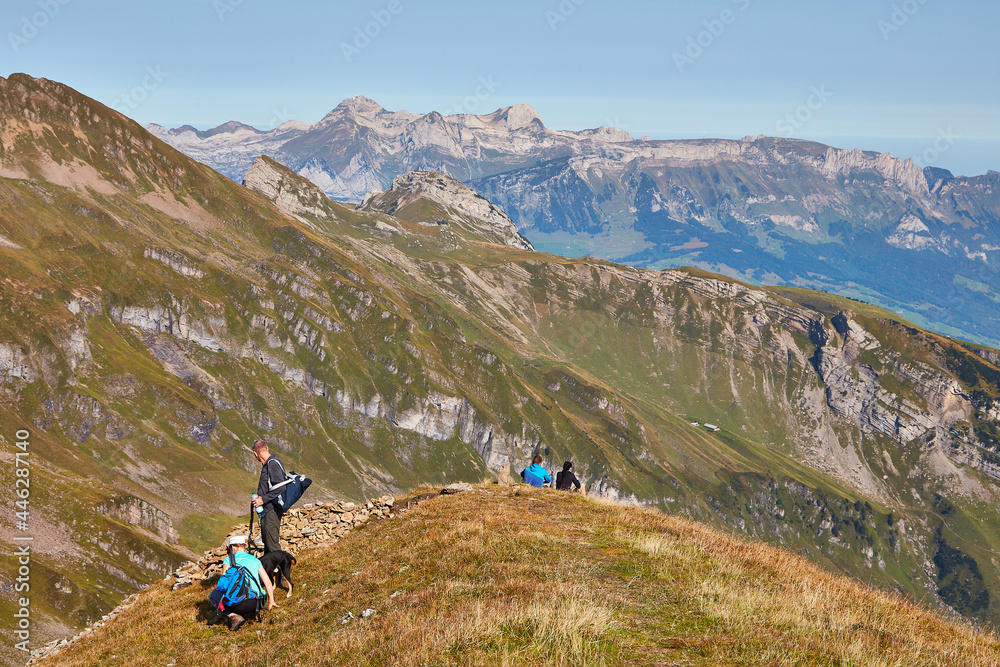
[[158, 317]]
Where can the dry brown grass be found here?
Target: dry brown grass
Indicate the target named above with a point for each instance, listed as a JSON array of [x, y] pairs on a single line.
[[500, 577], [750, 586]]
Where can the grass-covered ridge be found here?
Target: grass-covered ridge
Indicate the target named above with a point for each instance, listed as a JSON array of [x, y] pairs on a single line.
[[502, 576]]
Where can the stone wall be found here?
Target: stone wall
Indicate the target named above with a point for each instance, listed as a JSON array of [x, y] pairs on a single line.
[[314, 524]]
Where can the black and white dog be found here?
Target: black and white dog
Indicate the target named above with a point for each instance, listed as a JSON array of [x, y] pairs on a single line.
[[278, 565]]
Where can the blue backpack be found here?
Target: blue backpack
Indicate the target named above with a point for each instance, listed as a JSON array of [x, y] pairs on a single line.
[[236, 587], [294, 486]]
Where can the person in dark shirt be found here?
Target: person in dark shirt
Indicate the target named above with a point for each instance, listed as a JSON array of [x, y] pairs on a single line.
[[271, 473], [566, 480]]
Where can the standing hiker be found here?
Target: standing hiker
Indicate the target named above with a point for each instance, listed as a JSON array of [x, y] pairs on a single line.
[[271, 473], [535, 474]]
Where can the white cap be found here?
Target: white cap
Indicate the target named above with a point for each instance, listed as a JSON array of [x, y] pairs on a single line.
[[237, 539]]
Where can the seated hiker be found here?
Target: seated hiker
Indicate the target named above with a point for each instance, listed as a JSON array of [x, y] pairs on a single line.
[[238, 611], [535, 474], [565, 480]]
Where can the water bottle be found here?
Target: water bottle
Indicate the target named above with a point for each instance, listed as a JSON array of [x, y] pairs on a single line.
[[260, 509]]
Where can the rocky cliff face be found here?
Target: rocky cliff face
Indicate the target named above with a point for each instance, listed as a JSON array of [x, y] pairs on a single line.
[[291, 194], [776, 211], [854, 392], [898, 172], [138, 512], [460, 205]]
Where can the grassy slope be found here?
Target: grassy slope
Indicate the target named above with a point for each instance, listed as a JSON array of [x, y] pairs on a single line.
[[535, 577]]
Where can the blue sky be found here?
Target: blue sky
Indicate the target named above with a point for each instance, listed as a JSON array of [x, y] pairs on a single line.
[[919, 78]]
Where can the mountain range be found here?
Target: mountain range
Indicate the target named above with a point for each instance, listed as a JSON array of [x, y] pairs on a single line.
[[161, 316], [920, 242]]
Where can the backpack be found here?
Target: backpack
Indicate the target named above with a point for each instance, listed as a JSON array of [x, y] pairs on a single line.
[[294, 486], [236, 587]]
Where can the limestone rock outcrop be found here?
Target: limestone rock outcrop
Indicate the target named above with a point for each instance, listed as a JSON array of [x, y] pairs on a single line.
[[900, 172], [140, 513], [460, 201], [291, 193]]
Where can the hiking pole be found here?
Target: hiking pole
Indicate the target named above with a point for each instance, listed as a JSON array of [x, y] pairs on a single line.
[[250, 530]]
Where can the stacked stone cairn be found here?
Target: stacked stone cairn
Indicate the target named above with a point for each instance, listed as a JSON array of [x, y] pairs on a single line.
[[312, 525]]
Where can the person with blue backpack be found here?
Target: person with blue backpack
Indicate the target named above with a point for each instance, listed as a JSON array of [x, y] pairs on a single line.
[[535, 474], [241, 590]]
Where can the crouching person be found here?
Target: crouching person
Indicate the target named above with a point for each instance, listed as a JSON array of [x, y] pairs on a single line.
[[240, 593]]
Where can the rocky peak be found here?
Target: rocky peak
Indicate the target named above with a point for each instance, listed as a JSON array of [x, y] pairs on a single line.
[[294, 195], [514, 117], [462, 204], [231, 127], [359, 104], [611, 135]]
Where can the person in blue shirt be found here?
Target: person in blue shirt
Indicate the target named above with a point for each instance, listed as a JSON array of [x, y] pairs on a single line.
[[535, 474], [238, 613]]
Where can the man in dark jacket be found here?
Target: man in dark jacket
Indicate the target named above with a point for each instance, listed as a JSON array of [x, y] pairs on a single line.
[[566, 480], [271, 472]]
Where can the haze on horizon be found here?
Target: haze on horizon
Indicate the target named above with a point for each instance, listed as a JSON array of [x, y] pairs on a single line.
[[913, 77]]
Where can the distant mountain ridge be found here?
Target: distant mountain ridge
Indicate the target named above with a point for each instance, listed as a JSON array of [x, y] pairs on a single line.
[[359, 146], [769, 210]]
